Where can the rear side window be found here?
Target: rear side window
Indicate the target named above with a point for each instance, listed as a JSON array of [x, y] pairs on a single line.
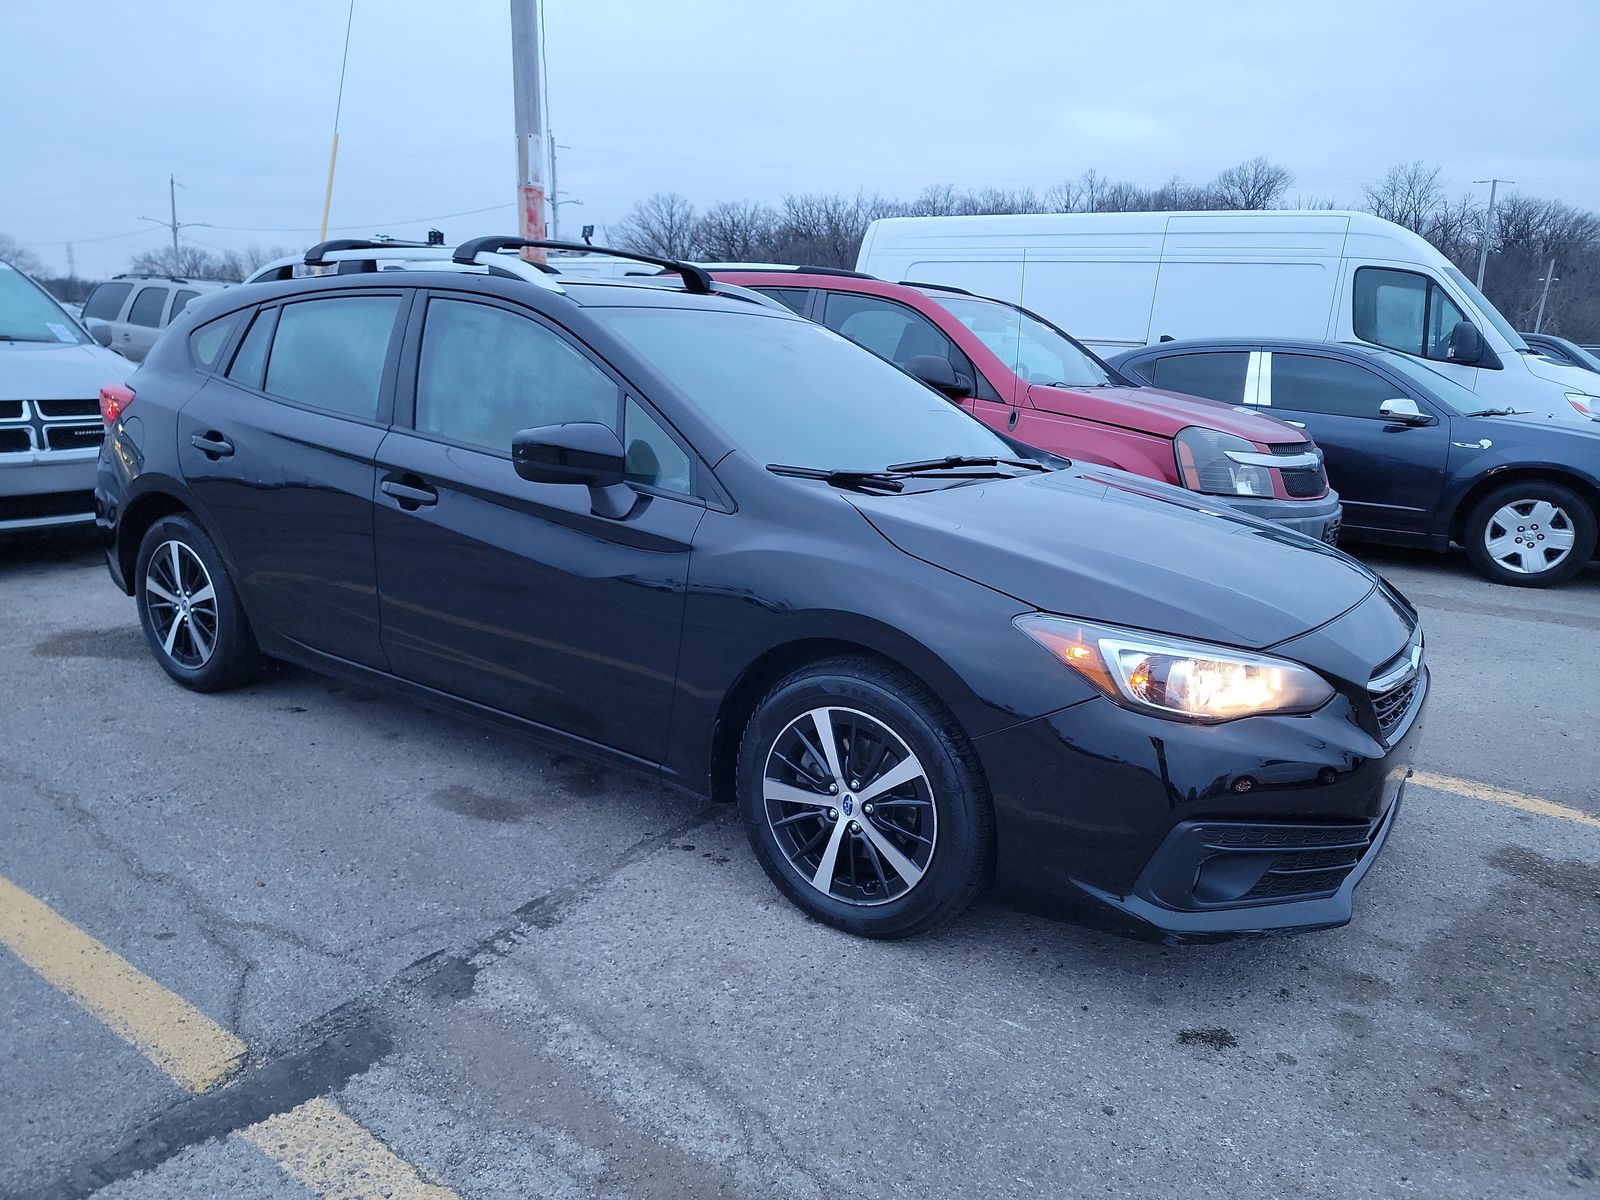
[[147, 307], [206, 343], [486, 373], [794, 299], [106, 301], [250, 363], [1404, 311], [1310, 383], [1218, 376], [329, 354], [180, 301]]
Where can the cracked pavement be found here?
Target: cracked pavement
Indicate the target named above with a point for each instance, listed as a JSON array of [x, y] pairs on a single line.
[[531, 976]]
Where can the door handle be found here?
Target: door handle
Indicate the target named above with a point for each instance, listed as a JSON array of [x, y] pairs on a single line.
[[213, 444], [409, 496]]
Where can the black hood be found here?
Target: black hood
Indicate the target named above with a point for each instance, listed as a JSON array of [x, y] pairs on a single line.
[[1104, 545]]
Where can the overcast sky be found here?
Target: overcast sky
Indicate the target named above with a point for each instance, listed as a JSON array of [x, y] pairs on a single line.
[[730, 99]]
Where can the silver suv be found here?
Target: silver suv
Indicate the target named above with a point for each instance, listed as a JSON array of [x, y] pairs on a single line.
[[127, 312]]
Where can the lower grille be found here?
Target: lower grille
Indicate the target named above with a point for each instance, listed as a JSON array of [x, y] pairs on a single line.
[[73, 437], [1304, 485], [15, 440], [1331, 533], [46, 504]]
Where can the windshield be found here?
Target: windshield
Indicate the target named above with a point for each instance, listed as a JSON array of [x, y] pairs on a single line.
[[787, 391], [1490, 313], [1440, 386], [28, 314], [1035, 351], [1586, 360]]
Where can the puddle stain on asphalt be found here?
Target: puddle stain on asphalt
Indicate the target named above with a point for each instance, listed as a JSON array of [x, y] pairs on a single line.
[[1217, 1038], [467, 801], [124, 643]]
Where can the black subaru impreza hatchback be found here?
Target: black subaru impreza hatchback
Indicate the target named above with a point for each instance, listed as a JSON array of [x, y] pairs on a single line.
[[667, 522]]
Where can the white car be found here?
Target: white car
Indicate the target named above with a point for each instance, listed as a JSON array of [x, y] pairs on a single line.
[[51, 374]]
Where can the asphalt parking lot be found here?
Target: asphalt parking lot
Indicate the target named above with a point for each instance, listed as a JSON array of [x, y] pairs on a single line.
[[306, 939]]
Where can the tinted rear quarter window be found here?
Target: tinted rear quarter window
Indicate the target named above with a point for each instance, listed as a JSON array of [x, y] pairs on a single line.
[[206, 343], [147, 307], [1217, 376], [329, 354], [106, 301]]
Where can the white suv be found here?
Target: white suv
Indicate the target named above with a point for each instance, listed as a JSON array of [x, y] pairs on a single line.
[[127, 313]]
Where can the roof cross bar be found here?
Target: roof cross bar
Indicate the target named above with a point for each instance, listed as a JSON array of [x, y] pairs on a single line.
[[317, 255], [695, 279]]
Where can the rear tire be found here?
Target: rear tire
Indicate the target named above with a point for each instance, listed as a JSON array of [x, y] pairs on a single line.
[[190, 610], [1532, 534], [905, 841]]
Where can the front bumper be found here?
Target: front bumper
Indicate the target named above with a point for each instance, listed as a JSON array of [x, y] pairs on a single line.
[[1160, 829], [1317, 519]]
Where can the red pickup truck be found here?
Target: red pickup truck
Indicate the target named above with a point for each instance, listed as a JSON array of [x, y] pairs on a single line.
[[1020, 374]]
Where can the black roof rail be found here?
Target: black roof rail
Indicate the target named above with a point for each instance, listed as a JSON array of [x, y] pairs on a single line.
[[943, 287], [774, 269], [317, 255], [150, 275], [695, 279]]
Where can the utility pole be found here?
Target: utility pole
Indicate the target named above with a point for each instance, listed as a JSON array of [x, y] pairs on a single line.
[[174, 224], [528, 121], [555, 195], [1549, 278], [72, 262], [1488, 226]]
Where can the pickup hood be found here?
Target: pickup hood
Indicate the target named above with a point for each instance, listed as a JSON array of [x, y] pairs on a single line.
[[1152, 410], [57, 371], [1105, 545]]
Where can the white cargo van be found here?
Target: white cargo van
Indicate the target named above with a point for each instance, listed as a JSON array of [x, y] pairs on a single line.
[[1120, 280]]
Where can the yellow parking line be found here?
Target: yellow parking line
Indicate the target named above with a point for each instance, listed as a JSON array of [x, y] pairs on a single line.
[[335, 1157], [1494, 795], [315, 1142]]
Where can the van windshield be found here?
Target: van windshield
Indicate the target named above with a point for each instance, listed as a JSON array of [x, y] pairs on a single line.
[[1490, 313], [1035, 350], [1437, 384], [28, 314]]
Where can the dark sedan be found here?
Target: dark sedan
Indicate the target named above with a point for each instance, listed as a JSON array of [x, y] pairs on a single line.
[[698, 536], [1416, 457]]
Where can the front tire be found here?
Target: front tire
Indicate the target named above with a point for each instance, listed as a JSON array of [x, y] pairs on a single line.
[[863, 800], [1531, 534], [190, 610]]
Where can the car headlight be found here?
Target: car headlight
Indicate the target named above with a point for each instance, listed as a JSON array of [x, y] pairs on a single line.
[[1174, 677], [1205, 464], [1586, 404]]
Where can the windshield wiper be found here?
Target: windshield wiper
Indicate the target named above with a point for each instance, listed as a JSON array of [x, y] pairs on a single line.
[[854, 479], [1495, 412], [962, 460], [11, 337]]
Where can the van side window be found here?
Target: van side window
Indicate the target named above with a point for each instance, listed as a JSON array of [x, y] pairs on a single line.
[[897, 333], [1404, 311], [1313, 384], [1216, 376]]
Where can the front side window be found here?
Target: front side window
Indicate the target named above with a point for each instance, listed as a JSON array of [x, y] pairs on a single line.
[[1218, 376], [889, 330], [329, 354], [1313, 384], [790, 392], [485, 374], [105, 302], [1404, 311], [147, 307], [1032, 349]]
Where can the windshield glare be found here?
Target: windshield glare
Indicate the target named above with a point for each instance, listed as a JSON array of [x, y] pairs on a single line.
[[787, 391], [1490, 313], [1438, 385], [28, 314], [1036, 352]]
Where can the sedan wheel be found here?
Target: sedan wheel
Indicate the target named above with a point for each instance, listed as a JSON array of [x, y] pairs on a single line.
[[182, 605], [1530, 534]]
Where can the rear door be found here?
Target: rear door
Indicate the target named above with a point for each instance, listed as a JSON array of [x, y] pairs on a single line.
[[1389, 475], [279, 450], [138, 332], [512, 594]]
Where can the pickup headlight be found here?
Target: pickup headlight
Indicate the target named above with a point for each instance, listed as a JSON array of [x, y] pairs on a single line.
[[1208, 461], [1173, 677], [1586, 404]]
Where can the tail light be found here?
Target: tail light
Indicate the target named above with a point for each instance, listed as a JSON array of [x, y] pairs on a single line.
[[114, 401]]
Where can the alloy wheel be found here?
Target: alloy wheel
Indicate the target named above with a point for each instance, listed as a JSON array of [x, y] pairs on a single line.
[[182, 604], [1529, 537], [850, 806]]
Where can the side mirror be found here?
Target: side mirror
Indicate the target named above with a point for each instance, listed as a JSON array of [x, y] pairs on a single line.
[[938, 374], [99, 331], [1464, 346], [1404, 411], [581, 452]]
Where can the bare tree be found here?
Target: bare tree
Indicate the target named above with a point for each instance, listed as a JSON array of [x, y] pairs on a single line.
[[936, 200], [1253, 184], [735, 231], [19, 256], [662, 224], [1409, 194]]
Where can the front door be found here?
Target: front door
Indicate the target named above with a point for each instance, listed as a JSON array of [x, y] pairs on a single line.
[[514, 594]]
